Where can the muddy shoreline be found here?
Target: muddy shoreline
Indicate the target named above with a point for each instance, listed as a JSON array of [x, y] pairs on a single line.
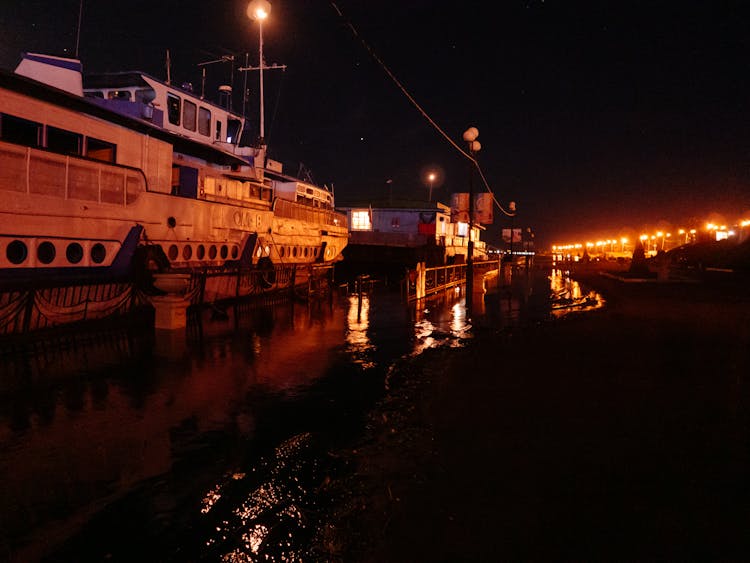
[[616, 434]]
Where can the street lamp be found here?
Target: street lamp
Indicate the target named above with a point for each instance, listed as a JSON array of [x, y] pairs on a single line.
[[470, 137], [259, 10], [431, 180]]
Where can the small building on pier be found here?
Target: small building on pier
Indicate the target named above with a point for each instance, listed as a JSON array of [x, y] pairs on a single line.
[[396, 234]]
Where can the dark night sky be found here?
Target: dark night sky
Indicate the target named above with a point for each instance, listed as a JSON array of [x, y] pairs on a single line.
[[597, 119]]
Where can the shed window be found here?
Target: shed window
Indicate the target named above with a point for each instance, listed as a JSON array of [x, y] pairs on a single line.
[[361, 221]]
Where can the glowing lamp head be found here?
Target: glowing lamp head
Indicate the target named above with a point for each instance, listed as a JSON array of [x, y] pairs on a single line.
[[471, 134], [258, 10]]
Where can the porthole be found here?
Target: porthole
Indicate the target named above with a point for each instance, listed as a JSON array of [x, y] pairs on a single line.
[[235, 252], [74, 253], [45, 252], [294, 251], [16, 252], [307, 252], [281, 251], [224, 251], [171, 222], [173, 252], [187, 252], [200, 252], [98, 253], [212, 252]]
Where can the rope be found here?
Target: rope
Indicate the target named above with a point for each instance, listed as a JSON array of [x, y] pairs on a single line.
[[419, 108]]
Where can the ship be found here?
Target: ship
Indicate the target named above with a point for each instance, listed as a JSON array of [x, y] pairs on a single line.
[[125, 176]]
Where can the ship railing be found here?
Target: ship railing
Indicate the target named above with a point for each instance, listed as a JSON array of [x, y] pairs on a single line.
[[39, 172], [292, 210]]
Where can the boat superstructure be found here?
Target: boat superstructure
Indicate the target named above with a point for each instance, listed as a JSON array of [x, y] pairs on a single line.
[[132, 172]]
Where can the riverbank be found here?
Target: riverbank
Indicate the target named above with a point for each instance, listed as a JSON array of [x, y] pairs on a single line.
[[619, 434]]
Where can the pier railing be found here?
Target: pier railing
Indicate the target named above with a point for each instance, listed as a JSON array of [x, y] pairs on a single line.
[[423, 281]]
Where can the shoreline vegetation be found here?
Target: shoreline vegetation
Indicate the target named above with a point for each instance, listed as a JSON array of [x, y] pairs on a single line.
[[619, 433]]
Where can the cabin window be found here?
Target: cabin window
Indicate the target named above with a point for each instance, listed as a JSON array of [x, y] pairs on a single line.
[[233, 130], [100, 150], [65, 142], [94, 94], [173, 109], [204, 122], [188, 115], [119, 95], [145, 95], [187, 181], [361, 221], [218, 130], [21, 131]]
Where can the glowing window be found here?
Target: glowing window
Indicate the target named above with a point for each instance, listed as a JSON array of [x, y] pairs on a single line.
[[361, 220]]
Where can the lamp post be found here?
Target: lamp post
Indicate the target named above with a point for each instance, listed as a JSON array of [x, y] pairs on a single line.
[[431, 180], [470, 137], [258, 10]]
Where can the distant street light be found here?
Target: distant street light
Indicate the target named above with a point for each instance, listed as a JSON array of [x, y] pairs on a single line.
[[431, 180], [259, 10], [470, 136]]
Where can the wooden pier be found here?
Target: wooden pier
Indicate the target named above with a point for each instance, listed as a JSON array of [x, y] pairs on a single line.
[[423, 282]]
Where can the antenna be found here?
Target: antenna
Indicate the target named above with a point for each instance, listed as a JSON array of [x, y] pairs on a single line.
[[223, 59], [78, 31], [169, 67]]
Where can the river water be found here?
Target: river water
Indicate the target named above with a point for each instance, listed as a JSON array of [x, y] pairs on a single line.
[[210, 445]]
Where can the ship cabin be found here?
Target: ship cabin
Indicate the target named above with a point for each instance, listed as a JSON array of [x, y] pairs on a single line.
[[177, 110]]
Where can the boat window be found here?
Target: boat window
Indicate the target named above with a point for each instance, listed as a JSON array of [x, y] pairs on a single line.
[[233, 130], [46, 252], [204, 122], [62, 141], [118, 95], [16, 252], [218, 130], [188, 115], [100, 150], [74, 253], [98, 253], [94, 94], [145, 95], [21, 131], [173, 109]]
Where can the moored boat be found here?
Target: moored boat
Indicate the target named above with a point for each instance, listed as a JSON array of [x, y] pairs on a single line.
[[134, 175]]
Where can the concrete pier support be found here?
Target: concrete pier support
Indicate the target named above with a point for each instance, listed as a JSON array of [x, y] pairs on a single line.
[[171, 309]]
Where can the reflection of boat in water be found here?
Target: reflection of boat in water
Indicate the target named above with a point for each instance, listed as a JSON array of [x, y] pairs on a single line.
[[139, 176], [566, 295], [568, 303]]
